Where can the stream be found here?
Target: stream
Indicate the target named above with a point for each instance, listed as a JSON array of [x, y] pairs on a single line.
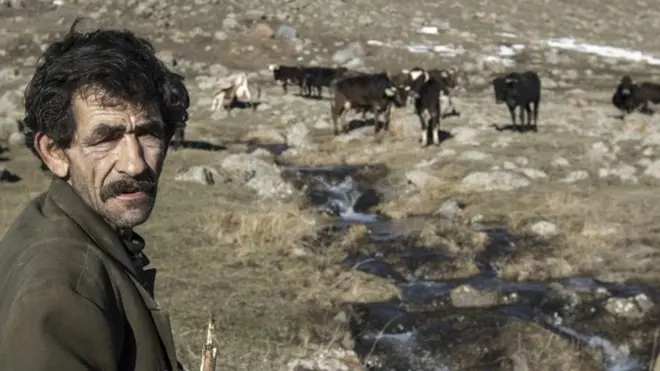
[[425, 330]]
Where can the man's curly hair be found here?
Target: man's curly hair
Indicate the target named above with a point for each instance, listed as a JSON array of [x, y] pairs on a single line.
[[123, 66]]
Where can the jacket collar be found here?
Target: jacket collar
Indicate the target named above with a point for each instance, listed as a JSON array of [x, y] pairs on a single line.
[[106, 237]]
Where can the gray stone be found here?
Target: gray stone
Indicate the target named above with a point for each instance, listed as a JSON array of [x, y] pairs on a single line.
[[495, 181]]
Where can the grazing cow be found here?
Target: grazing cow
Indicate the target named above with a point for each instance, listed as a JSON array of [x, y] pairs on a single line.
[[373, 92], [234, 87], [318, 77], [519, 89], [429, 104], [630, 96], [288, 75]]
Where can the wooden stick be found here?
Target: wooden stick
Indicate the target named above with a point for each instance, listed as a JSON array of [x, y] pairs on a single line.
[[209, 352]]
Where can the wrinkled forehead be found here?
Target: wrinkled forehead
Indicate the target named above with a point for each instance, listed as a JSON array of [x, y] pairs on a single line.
[[91, 103], [92, 110]]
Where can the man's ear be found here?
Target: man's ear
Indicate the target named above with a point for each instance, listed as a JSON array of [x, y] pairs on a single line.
[[52, 155]]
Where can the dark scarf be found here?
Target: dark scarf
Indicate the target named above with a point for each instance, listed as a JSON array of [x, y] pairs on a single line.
[[135, 244]]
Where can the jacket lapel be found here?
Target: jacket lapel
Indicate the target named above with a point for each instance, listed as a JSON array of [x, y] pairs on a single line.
[[110, 243], [89, 221], [161, 320]]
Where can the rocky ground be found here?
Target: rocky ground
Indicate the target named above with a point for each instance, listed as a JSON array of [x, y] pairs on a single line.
[[232, 236]]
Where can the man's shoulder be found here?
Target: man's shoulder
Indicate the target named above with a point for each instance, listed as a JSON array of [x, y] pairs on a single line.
[[43, 249], [40, 220]]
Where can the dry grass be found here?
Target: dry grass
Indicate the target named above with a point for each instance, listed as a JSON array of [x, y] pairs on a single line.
[[536, 349], [606, 232], [261, 224]]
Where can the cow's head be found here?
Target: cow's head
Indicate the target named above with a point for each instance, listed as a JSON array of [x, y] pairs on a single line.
[[511, 89], [625, 97], [499, 87], [450, 77], [411, 81], [273, 67], [626, 86], [397, 95]]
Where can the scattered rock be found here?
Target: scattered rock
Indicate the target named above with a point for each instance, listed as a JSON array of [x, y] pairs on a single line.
[[575, 176], [495, 181], [16, 139], [533, 173], [625, 172], [475, 156], [560, 162], [449, 209], [263, 31], [420, 178], [286, 32], [200, 174], [653, 169], [632, 307], [259, 175], [466, 296], [544, 229]]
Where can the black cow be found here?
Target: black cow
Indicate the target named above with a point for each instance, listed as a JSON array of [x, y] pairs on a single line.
[[416, 77], [369, 92], [630, 96], [317, 77], [429, 104], [519, 89], [288, 75]]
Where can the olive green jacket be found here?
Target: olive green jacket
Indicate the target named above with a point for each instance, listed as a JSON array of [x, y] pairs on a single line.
[[70, 296]]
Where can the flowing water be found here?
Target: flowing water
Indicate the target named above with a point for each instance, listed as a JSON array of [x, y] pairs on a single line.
[[425, 330]]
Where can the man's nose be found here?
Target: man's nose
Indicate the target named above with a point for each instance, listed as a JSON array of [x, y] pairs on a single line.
[[131, 157]]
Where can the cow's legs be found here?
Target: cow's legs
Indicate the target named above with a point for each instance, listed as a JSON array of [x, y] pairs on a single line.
[[536, 115], [428, 137], [422, 121], [512, 111], [528, 110], [387, 117], [284, 85], [436, 117], [344, 121], [218, 100], [336, 112], [522, 116]]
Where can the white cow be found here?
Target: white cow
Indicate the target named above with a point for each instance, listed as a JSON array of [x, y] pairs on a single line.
[[233, 87]]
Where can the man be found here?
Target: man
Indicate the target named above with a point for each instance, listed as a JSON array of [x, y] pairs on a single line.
[[74, 292]]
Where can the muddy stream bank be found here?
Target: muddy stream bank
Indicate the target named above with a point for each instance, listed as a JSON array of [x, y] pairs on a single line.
[[474, 322]]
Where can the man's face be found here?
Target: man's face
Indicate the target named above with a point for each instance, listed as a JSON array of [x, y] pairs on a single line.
[[116, 158]]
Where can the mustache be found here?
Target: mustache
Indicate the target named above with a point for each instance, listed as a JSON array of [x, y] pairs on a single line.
[[129, 185]]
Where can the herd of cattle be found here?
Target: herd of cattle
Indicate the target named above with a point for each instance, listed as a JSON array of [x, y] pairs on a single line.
[[430, 90]]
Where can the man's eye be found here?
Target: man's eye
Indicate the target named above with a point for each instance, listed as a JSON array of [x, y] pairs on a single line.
[[152, 134], [110, 139]]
